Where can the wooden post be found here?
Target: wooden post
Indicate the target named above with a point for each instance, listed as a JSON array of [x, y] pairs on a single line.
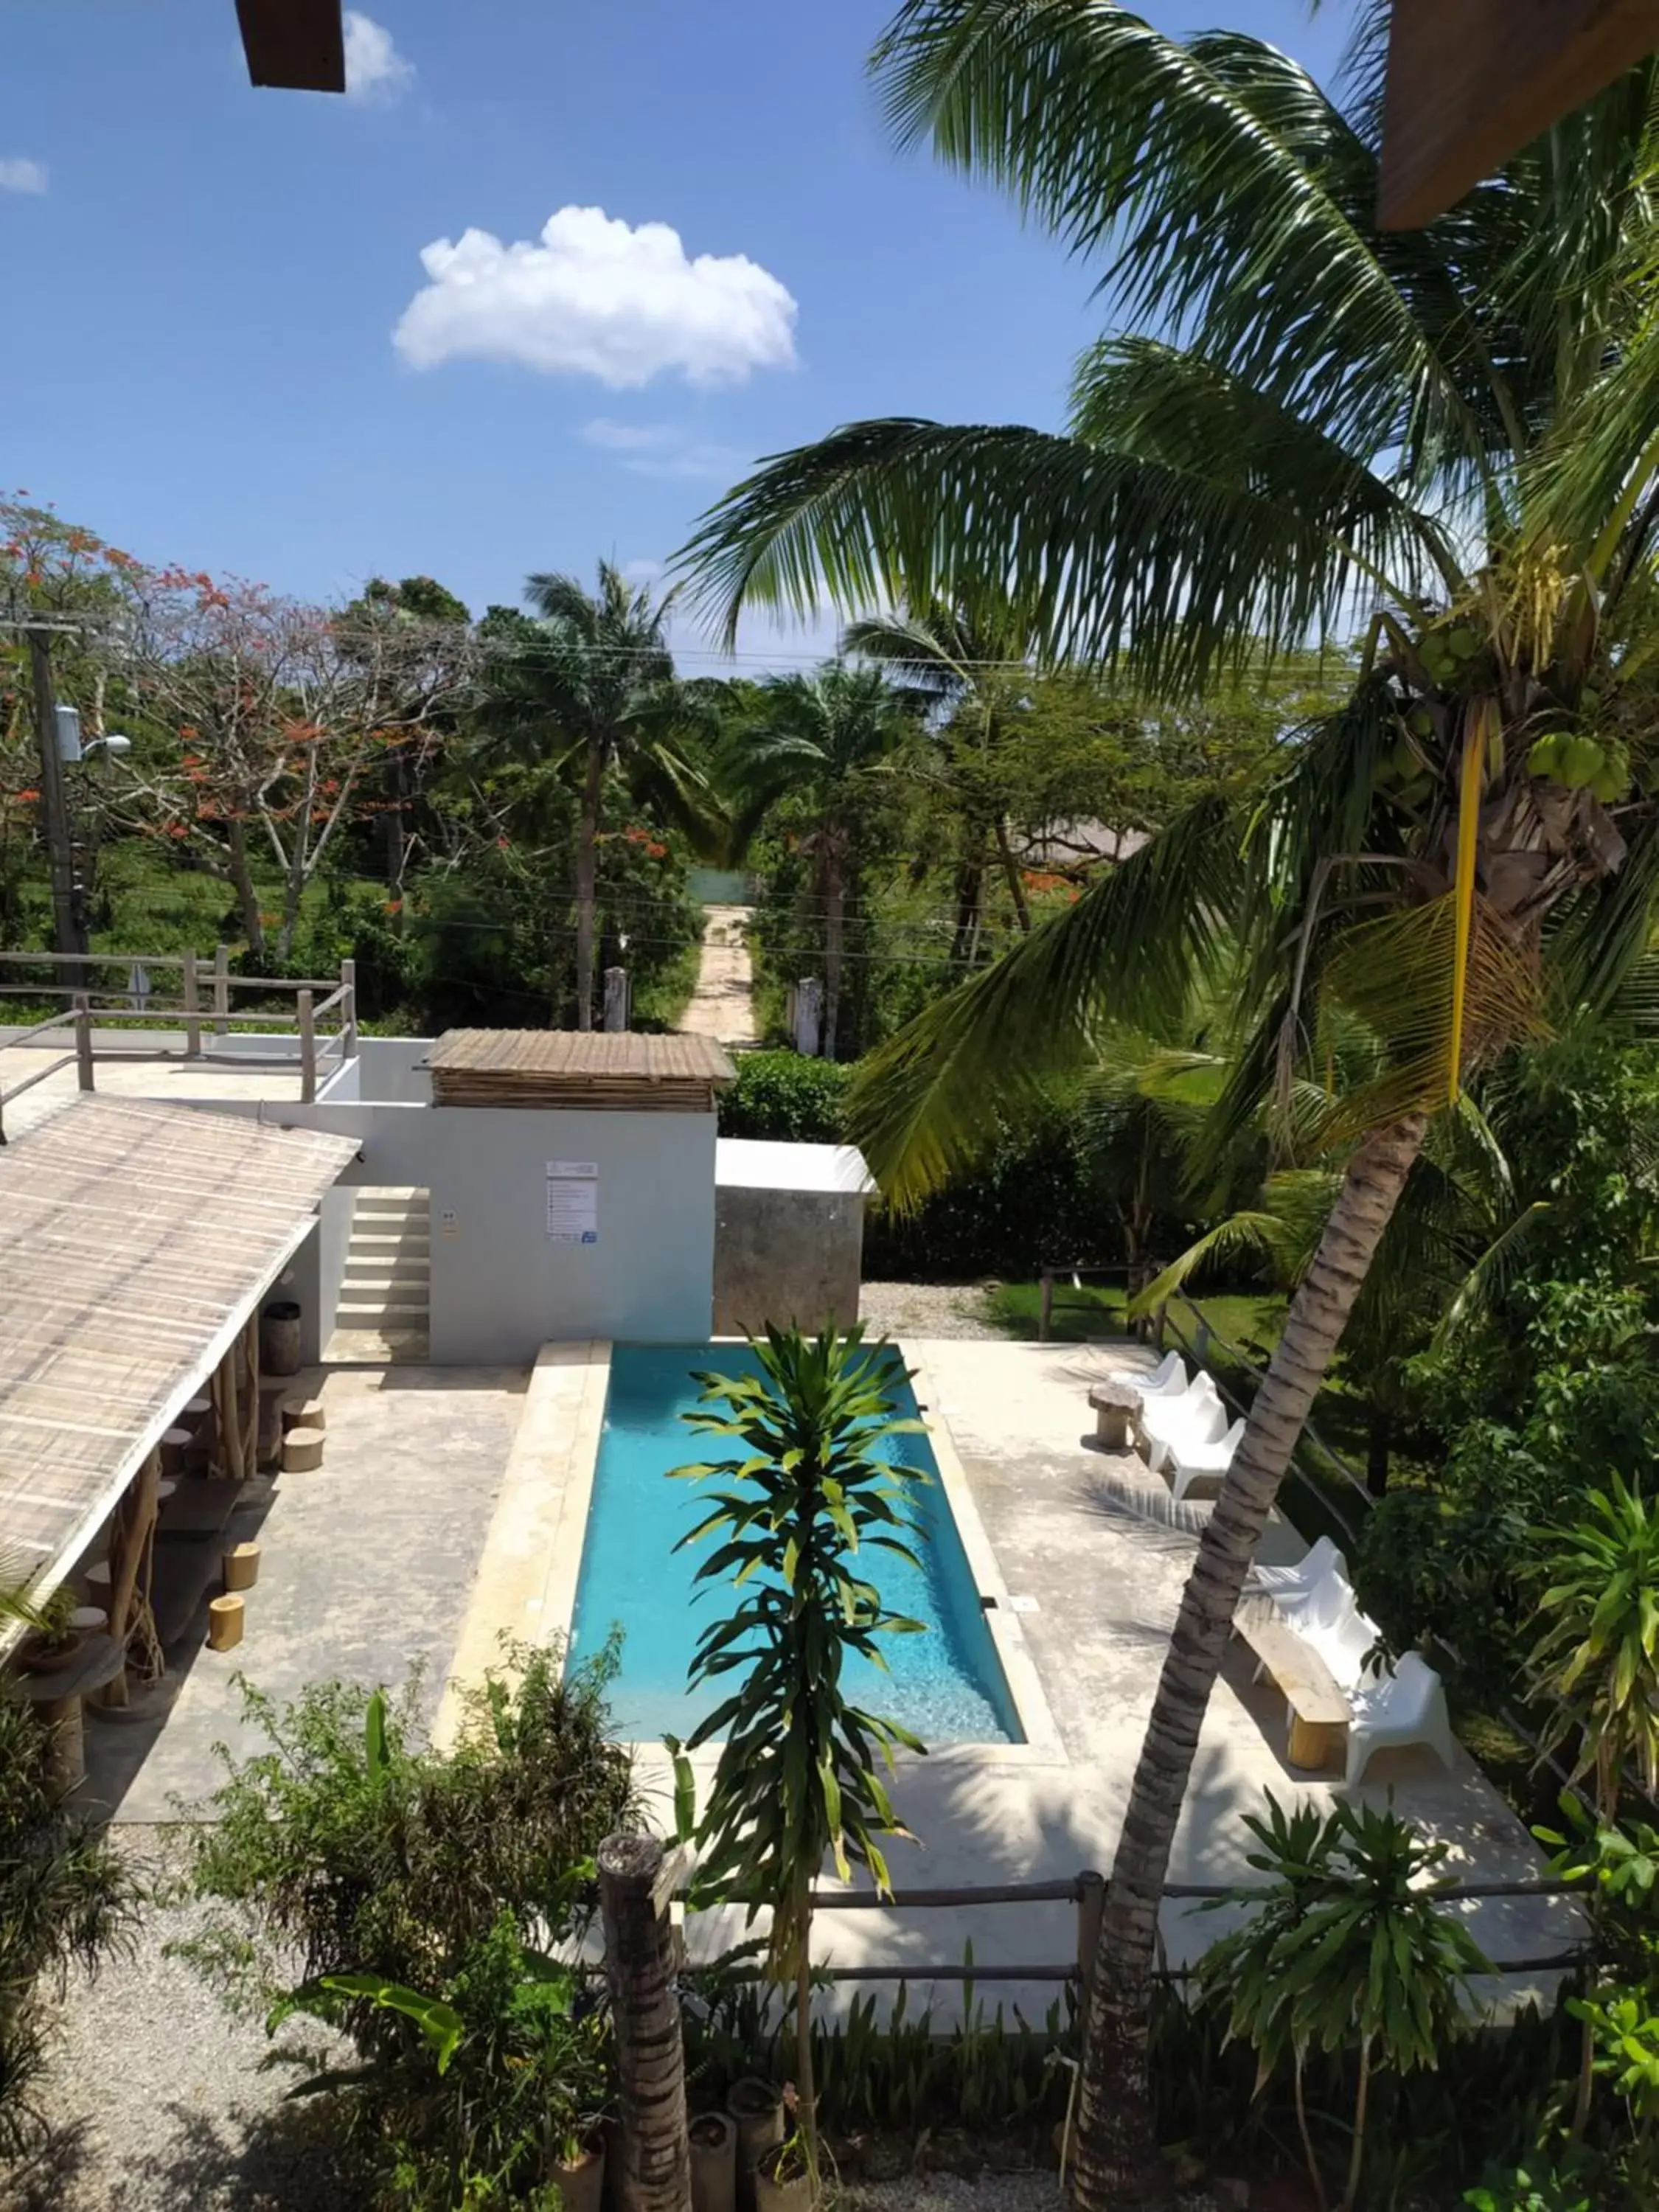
[[1046, 1308], [349, 1007], [135, 1524], [1090, 1912], [192, 1003], [308, 1051], [221, 990], [83, 1040], [251, 1362], [230, 1417], [635, 1884]]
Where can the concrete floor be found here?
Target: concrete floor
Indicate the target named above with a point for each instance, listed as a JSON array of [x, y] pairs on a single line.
[[169, 1081], [367, 1567]]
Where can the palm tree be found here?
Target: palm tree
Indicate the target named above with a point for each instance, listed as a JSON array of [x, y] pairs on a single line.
[[594, 677], [979, 671], [1450, 432], [823, 738]]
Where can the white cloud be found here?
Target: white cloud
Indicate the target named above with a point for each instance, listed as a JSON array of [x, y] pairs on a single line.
[[659, 449], [374, 69], [19, 174], [595, 297]]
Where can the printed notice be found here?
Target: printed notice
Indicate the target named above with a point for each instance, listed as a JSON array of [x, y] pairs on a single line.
[[573, 1201]]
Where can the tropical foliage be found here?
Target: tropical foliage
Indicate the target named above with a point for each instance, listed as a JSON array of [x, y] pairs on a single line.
[[1308, 426], [424, 1898], [807, 1493]]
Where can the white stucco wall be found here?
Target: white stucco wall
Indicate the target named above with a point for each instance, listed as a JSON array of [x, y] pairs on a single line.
[[500, 1288]]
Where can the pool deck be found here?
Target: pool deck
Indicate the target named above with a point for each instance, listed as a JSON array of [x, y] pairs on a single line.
[[1096, 1559], [451, 1508]]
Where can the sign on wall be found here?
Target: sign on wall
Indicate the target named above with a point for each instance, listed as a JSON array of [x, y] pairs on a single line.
[[573, 1201]]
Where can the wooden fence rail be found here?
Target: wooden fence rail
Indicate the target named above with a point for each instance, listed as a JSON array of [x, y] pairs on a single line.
[[1087, 1891], [319, 1050]]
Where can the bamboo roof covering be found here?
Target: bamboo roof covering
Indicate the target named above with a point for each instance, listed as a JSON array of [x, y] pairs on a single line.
[[578, 1070], [134, 1240]]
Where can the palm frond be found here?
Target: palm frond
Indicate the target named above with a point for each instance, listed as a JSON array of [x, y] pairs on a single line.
[[1398, 974], [930, 1101], [1215, 179], [1175, 572], [1488, 1278], [1241, 1235]]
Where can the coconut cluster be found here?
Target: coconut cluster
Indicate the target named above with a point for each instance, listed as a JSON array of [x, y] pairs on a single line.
[[1580, 763]]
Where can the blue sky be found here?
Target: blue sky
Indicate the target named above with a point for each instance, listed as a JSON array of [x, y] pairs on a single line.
[[245, 365]]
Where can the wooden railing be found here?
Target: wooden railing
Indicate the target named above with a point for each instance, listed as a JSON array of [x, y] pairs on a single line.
[[326, 1027], [1087, 1891]]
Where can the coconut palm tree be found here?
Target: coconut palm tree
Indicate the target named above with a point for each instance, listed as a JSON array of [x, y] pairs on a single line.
[[593, 677], [980, 672], [1446, 437], [822, 739]]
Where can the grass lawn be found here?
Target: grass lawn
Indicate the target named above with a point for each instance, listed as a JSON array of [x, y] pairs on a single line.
[[1248, 1319]]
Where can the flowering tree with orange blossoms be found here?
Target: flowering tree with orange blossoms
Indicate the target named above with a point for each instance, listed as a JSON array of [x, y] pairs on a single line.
[[275, 713]]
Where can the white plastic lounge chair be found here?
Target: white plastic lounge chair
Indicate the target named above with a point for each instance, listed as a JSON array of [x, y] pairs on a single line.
[[1167, 1380], [1286, 1585], [1197, 1416], [1343, 1639], [1408, 1706], [1190, 1462]]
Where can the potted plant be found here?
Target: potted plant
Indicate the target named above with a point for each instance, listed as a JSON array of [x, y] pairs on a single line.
[[55, 1640], [578, 2165], [756, 2111], [786, 2180], [714, 2163]]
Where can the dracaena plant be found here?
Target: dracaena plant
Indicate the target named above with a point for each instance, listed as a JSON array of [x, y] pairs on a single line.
[[803, 1496], [1347, 1949]]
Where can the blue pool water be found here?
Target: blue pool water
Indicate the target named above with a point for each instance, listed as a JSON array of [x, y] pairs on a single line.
[[947, 1686]]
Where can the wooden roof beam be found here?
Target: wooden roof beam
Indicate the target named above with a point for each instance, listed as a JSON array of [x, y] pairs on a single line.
[[297, 46], [1470, 82]]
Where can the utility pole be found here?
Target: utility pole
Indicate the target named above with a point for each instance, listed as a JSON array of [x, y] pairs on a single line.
[[69, 929]]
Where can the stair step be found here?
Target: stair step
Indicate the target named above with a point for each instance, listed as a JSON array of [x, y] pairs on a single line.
[[352, 1313], [386, 1286], [403, 1266]]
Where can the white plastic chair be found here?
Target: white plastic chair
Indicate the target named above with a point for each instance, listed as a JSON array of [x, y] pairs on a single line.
[[1197, 1416], [1408, 1706], [1286, 1585], [1167, 1380], [1190, 1463], [1342, 1639]]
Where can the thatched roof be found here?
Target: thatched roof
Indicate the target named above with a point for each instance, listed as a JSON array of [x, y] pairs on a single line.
[[575, 1069], [134, 1240]]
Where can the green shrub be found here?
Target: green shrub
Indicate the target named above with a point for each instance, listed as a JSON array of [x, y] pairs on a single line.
[[343, 1851], [779, 1094], [65, 1900]]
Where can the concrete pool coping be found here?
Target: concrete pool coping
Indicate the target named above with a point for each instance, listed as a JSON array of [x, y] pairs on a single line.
[[1042, 1745]]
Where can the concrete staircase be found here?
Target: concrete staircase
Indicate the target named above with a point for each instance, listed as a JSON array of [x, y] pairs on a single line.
[[388, 1266]]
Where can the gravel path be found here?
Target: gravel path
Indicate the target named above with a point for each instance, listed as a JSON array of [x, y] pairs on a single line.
[[162, 2099], [923, 1310]]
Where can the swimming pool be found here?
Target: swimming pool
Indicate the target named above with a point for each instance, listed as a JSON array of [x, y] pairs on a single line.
[[947, 1687]]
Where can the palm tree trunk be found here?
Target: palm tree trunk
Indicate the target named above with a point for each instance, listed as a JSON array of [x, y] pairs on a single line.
[[834, 915], [1118, 2164], [587, 846], [1016, 881]]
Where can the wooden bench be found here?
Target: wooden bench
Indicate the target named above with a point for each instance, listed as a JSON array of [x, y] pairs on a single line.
[[1319, 1710]]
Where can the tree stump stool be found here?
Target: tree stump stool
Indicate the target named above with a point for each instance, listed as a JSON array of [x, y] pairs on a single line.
[[1114, 1401]]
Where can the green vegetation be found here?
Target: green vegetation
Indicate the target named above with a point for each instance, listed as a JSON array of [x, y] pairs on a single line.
[[67, 1901], [421, 1896], [796, 1780]]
